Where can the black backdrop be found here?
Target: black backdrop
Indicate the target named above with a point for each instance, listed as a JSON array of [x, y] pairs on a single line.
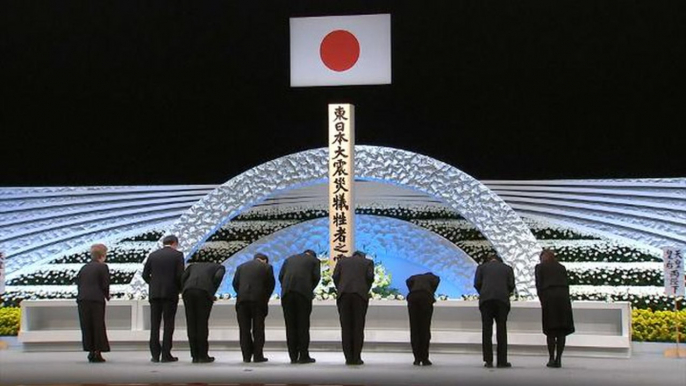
[[132, 92]]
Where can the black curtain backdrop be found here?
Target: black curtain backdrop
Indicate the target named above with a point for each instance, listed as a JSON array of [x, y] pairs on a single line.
[[133, 92]]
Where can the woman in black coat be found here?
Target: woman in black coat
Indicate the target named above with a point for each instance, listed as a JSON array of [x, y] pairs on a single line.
[[553, 292], [93, 281]]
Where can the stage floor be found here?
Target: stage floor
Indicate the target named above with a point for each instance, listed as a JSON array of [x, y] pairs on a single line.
[[647, 366]]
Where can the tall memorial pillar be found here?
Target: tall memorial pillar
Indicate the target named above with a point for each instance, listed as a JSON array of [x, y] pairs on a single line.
[[341, 179]]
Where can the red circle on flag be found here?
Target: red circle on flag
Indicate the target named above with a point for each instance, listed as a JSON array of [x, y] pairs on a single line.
[[339, 50]]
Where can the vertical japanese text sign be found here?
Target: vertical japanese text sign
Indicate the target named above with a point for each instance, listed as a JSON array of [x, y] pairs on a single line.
[[674, 271], [341, 177], [2, 273]]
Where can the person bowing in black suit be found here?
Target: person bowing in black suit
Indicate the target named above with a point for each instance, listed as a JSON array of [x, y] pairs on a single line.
[[299, 276], [162, 271], [93, 283], [420, 305], [200, 282], [254, 283], [353, 277], [552, 288], [494, 281]]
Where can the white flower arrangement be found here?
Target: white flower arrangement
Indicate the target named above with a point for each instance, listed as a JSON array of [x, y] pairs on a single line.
[[610, 290], [126, 252], [58, 275], [617, 276], [218, 251], [547, 230], [447, 223], [137, 245], [53, 291], [606, 251], [380, 288], [622, 272]]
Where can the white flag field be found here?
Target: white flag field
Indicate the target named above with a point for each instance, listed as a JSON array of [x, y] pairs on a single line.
[[340, 50]]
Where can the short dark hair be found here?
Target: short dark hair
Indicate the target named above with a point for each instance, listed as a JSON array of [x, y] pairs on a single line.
[[359, 253], [493, 256], [169, 240], [261, 256], [310, 252]]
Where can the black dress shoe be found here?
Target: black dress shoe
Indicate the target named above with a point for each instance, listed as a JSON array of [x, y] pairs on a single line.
[[169, 359], [260, 360], [205, 360], [306, 360], [551, 363], [246, 360], [416, 363], [504, 365], [154, 360], [426, 362], [488, 365], [358, 362]]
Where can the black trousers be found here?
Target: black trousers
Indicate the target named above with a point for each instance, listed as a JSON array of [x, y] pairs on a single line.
[[421, 308], [296, 312], [93, 330], [198, 306], [352, 312], [494, 310], [162, 309], [251, 317]]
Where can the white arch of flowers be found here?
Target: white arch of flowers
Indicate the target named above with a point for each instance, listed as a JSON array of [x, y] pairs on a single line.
[[495, 219]]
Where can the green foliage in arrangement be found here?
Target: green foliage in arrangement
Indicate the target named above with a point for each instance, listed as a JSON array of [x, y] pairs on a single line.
[[657, 326], [9, 321]]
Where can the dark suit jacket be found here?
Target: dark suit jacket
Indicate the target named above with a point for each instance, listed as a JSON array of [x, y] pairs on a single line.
[[162, 271], [203, 276], [301, 274], [494, 281], [354, 275], [254, 281], [93, 282], [550, 274], [426, 282]]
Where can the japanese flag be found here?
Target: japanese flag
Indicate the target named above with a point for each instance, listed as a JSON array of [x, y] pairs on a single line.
[[340, 50]]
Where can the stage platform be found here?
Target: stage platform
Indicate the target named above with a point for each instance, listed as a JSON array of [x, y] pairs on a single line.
[[602, 329], [647, 366]]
